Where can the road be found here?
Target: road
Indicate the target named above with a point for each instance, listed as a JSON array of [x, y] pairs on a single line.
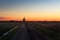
[[25, 33]]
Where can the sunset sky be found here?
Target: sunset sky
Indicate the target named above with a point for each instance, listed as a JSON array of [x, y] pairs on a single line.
[[32, 10]]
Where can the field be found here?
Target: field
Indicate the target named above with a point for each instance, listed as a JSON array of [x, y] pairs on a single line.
[[50, 29], [7, 26]]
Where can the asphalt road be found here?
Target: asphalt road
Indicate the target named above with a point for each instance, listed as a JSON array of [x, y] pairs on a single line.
[[25, 33]]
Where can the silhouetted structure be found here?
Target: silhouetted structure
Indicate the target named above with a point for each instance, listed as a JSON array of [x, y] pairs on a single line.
[[23, 19]]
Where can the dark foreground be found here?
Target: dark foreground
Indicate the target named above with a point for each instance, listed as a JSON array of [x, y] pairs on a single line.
[[24, 33], [31, 31]]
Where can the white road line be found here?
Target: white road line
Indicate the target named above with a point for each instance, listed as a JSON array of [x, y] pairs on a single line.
[[9, 31]]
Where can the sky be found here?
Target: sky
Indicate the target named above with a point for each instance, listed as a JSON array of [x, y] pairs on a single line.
[[32, 10]]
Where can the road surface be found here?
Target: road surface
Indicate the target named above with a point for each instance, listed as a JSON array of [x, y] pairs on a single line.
[[25, 33]]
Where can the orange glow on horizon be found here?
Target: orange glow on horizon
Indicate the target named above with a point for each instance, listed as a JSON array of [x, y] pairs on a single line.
[[31, 19], [31, 10]]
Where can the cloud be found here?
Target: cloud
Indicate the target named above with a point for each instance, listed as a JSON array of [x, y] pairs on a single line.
[[7, 18], [3, 18]]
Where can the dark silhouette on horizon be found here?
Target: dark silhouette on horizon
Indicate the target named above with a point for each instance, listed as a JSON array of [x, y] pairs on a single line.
[[24, 19]]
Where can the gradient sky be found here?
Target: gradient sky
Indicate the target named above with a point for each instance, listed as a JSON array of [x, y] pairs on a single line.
[[41, 10]]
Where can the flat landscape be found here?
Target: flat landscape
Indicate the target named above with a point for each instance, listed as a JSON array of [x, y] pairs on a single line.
[[29, 19], [47, 30]]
